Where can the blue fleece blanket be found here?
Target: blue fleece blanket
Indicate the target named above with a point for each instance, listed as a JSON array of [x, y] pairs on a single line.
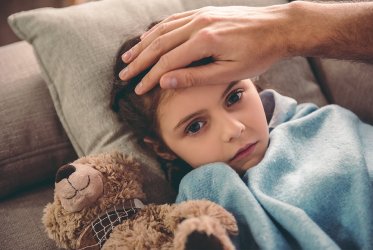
[[312, 190]]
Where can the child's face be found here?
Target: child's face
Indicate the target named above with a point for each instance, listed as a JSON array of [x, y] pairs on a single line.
[[207, 124]]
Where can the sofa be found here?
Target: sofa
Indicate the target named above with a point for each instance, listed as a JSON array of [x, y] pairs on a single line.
[[37, 135]]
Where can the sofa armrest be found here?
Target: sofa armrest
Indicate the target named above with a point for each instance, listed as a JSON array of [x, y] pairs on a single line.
[[33, 142]]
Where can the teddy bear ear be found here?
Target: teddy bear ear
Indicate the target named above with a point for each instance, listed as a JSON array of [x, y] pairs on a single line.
[[52, 224], [49, 221], [48, 217]]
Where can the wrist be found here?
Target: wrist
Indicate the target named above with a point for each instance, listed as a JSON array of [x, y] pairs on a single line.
[[271, 28], [287, 30], [309, 29]]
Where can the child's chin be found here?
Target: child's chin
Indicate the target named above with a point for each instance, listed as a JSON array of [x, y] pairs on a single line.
[[248, 165]]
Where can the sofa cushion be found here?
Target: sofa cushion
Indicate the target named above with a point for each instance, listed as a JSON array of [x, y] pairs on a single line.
[[33, 142], [21, 226], [347, 83], [293, 77]]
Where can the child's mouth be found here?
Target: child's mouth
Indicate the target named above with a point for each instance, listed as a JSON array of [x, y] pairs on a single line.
[[244, 151]]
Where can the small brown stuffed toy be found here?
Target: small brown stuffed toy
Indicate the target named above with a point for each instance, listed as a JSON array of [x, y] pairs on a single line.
[[98, 203]]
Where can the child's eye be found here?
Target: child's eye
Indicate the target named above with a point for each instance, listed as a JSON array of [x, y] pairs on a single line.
[[194, 127], [234, 97]]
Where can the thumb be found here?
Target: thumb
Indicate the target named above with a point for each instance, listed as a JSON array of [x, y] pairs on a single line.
[[213, 73]]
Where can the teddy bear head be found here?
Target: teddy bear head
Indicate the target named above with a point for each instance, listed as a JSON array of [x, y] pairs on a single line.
[[87, 189]]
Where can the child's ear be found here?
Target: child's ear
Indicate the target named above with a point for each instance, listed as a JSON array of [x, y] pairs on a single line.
[[159, 149]]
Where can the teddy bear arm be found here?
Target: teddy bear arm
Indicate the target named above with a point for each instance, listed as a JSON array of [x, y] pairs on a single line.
[[201, 240], [144, 231], [202, 233], [197, 208]]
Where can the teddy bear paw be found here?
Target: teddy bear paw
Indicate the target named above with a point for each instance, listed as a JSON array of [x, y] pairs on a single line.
[[202, 233]]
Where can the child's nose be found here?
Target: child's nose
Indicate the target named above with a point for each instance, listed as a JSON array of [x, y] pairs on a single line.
[[232, 129]]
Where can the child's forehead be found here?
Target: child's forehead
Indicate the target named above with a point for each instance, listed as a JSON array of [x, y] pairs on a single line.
[[190, 92], [197, 96], [167, 94], [192, 98], [177, 99], [179, 95]]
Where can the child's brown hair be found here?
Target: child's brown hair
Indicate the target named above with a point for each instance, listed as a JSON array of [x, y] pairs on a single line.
[[140, 114]]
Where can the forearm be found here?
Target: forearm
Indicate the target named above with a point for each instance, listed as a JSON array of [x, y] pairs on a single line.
[[332, 30]]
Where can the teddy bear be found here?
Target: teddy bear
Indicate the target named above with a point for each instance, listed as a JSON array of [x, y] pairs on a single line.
[[99, 203]]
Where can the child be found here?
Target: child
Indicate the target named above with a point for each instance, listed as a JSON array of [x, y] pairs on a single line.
[[294, 176]]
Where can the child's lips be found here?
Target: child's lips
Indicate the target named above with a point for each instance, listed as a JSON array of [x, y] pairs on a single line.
[[245, 151]]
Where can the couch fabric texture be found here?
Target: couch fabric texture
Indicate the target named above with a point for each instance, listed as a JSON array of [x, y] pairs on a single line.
[[33, 142]]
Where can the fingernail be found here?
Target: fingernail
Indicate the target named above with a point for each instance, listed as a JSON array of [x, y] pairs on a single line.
[[138, 88], [170, 83], [127, 56], [123, 73]]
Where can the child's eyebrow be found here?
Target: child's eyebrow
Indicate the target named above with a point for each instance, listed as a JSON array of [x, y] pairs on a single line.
[[199, 112], [230, 86], [189, 117]]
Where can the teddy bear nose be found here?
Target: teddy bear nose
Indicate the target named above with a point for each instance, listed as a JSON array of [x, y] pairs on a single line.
[[64, 172]]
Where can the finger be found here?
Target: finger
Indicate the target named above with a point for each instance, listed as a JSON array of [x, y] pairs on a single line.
[[190, 51], [220, 72], [154, 51], [173, 17], [143, 44]]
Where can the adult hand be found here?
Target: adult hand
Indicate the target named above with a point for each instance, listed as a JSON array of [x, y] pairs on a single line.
[[242, 42], [245, 41]]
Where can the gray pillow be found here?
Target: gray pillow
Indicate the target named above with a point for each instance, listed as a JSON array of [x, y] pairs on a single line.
[[75, 48]]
